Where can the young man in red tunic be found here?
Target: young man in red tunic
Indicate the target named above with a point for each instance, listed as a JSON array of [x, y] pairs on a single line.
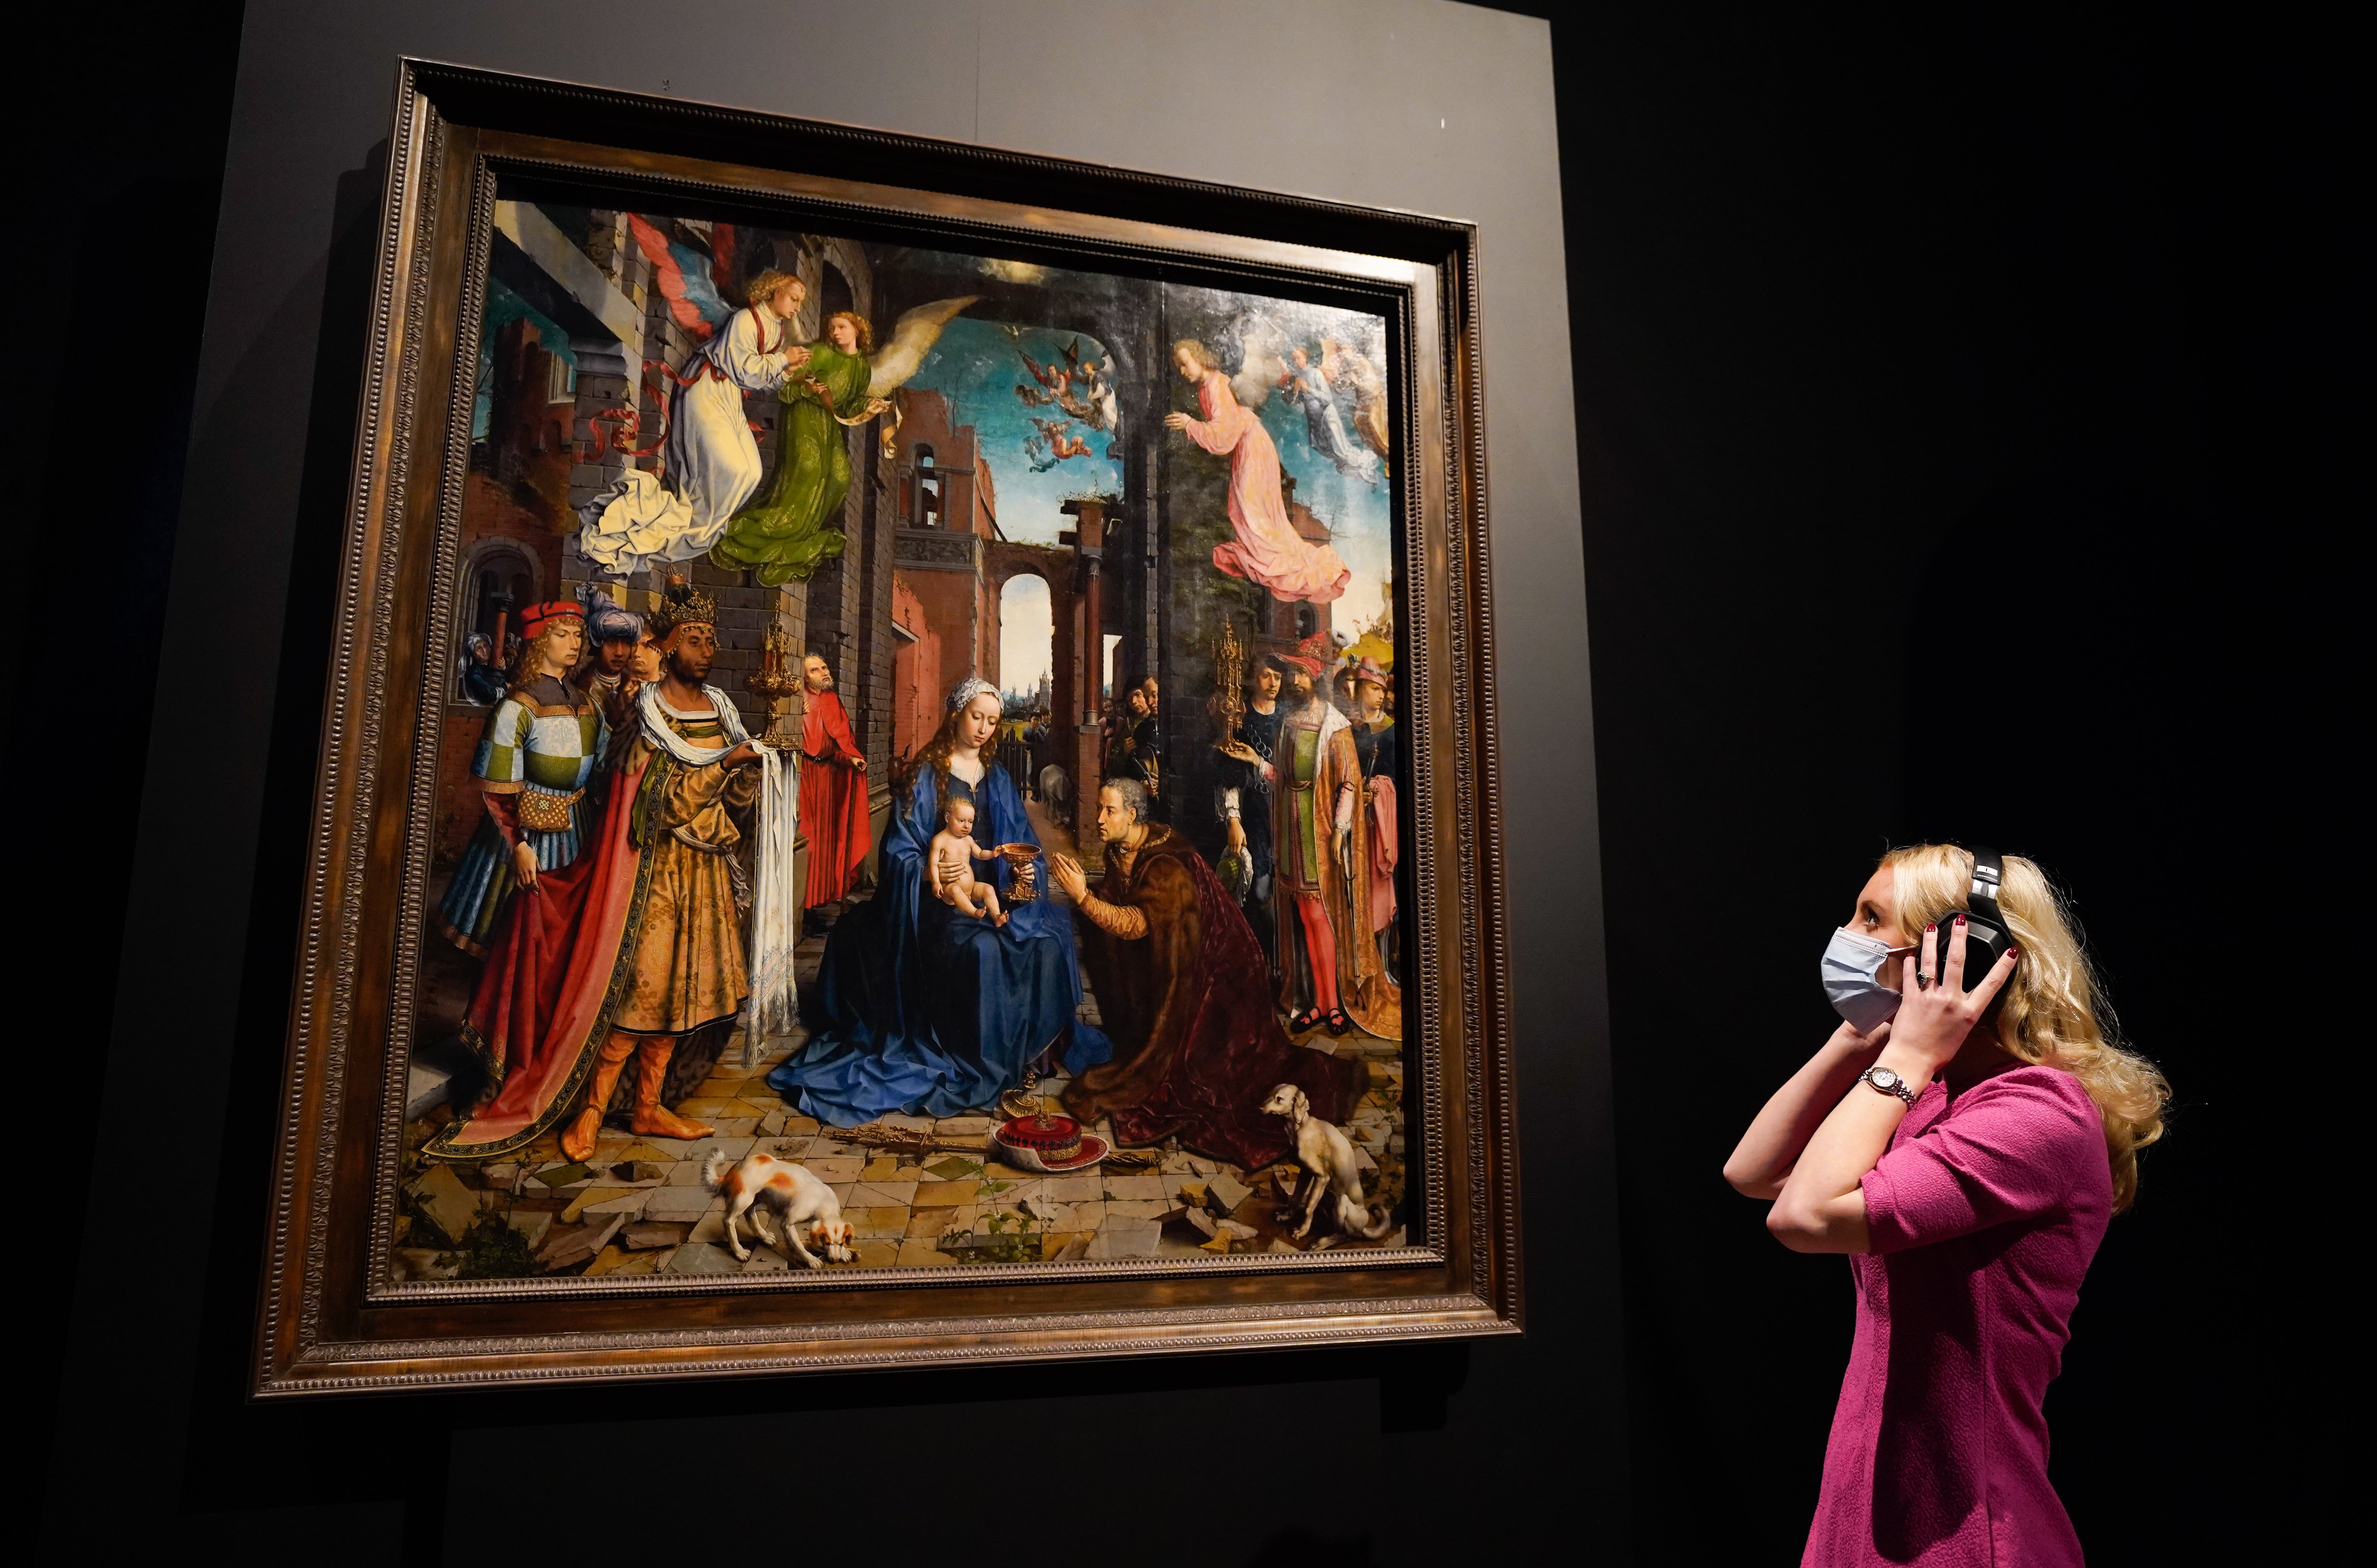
[[833, 792]]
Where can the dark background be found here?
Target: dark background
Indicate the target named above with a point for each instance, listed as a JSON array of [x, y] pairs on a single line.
[[1961, 402]]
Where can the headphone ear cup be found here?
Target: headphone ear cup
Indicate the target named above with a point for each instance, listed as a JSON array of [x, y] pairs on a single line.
[[1986, 941]]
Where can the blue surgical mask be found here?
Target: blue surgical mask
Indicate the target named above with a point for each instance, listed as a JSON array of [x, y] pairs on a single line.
[[1851, 967]]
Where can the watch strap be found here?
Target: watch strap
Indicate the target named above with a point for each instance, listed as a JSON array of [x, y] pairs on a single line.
[[1897, 1086]]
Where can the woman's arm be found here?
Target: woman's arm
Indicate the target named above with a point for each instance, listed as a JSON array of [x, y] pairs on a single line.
[[1822, 1206], [1781, 1128]]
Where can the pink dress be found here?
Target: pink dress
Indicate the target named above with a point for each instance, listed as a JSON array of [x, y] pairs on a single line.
[[1268, 550], [1984, 1213]]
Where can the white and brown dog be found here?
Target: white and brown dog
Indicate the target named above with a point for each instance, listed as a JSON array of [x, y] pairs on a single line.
[[1329, 1168], [800, 1200]]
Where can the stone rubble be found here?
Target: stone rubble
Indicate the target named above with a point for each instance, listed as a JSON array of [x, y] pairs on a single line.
[[637, 1204]]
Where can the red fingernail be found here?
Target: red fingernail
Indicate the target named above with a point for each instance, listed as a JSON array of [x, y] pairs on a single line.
[[1960, 920], [1929, 926], [2013, 951]]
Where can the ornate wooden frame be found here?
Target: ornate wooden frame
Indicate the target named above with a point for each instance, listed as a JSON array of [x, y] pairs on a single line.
[[325, 1324]]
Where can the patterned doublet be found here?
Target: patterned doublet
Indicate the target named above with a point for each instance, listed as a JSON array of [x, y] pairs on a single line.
[[544, 738]]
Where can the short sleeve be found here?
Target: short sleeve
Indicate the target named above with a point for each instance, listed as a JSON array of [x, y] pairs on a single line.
[[2020, 1145]]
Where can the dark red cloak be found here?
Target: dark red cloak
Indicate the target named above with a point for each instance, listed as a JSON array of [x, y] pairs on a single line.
[[833, 801], [546, 999], [1198, 1046]]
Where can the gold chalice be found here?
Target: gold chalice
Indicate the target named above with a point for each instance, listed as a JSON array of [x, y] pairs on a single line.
[[1022, 875]]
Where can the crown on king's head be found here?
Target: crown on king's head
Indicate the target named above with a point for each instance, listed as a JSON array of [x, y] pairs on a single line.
[[682, 604]]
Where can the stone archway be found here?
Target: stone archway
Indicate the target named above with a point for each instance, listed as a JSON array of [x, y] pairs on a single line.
[[1054, 565]]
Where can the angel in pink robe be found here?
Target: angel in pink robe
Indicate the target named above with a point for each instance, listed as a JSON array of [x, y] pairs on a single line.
[[1268, 550]]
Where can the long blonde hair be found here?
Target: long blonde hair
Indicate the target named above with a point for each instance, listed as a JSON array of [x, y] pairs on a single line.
[[2050, 1013]]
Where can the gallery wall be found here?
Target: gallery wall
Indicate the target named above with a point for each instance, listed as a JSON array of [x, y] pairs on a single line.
[[1966, 402], [1418, 105], [1960, 406]]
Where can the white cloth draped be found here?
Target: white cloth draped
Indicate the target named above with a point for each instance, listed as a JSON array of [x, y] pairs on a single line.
[[711, 463], [776, 903], [775, 1003]]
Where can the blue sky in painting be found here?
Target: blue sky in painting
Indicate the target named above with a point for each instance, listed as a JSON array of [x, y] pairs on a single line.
[[976, 365]]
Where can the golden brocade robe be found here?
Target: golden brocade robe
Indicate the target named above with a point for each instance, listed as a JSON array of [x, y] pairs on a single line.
[[689, 967]]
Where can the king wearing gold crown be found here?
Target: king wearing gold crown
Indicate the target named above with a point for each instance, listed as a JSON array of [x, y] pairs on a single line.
[[626, 951]]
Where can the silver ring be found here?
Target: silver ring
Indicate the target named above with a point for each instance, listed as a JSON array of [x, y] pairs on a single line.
[[1922, 981]]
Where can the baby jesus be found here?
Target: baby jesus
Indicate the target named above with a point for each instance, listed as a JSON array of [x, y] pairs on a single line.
[[953, 854]]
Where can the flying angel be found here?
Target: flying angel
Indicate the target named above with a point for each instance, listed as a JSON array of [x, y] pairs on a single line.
[[789, 532], [709, 463], [1350, 370]]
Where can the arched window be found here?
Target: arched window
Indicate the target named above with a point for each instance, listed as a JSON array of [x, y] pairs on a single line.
[[1308, 620], [929, 490], [499, 581]]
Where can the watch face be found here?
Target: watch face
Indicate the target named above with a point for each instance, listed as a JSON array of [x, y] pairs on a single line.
[[1883, 1078]]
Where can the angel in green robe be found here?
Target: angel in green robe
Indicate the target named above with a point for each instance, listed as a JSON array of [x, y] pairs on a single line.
[[788, 533]]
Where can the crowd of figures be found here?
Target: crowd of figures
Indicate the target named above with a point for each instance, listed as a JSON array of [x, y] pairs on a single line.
[[609, 888], [1310, 797], [606, 893]]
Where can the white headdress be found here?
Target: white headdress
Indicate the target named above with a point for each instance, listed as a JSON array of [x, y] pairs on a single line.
[[965, 691]]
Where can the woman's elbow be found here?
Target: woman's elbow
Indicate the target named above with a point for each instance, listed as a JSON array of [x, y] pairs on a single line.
[[1751, 1182], [1797, 1227]]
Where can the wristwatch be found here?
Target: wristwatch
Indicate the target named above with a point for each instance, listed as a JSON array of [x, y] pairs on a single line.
[[1883, 1081]]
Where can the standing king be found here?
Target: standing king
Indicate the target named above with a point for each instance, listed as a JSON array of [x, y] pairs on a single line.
[[639, 945]]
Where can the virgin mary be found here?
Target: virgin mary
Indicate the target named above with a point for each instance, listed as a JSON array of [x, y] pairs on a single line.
[[921, 1008]]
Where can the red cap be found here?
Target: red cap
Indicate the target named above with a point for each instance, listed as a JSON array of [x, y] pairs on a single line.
[[1310, 655], [533, 619]]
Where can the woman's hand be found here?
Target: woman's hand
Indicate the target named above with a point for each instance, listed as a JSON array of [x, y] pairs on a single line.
[[1067, 871], [1176, 421], [1237, 834], [524, 865], [1935, 1011]]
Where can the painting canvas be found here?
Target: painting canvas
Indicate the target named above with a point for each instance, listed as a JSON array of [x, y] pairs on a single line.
[[907, 771], [920, 774]]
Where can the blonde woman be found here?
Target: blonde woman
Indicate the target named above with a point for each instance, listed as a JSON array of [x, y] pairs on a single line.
[[1967, 1149]]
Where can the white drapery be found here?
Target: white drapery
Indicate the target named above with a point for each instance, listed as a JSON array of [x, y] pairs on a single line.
[[775, 1003], [775, 903], [640, 520]]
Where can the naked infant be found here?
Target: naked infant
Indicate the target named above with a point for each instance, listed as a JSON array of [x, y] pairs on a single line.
[[953, 854]]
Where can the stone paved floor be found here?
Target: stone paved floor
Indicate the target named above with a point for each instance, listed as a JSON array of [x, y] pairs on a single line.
[[639, 1207]]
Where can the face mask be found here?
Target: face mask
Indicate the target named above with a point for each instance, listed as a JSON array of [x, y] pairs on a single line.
[[1851, 964]]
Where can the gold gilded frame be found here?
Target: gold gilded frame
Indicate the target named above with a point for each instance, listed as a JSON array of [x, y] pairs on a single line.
[[327, 1323]]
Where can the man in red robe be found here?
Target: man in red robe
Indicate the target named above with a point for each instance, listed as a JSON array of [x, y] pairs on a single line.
[[1185, 993], [833, 791]]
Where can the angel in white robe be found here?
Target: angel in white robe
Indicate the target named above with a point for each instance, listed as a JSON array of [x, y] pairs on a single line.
[[709, 463]]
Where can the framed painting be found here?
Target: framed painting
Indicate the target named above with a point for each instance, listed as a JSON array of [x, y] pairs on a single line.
[[909, 773]]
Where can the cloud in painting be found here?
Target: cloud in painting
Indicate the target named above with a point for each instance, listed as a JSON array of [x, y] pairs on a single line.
[[979, 365], [1013, 271]]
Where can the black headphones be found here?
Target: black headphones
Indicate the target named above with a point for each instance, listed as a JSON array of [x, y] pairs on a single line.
[[1986, 936]]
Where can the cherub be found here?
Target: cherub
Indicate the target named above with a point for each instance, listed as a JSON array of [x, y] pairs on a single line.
[[953, 854]]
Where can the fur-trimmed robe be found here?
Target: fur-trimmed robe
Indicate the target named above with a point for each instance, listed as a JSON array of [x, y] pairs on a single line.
[[1197, 1047]]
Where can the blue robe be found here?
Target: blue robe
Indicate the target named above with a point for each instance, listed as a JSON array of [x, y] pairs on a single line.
[[927, 1011]]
